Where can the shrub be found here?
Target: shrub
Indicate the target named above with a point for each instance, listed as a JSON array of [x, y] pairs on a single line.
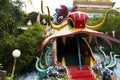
[[27, 43]]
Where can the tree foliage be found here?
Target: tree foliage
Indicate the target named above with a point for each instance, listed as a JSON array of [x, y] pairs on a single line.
[[112, 24], [11, 9], [27, 43], [31, 16], [11, 16]]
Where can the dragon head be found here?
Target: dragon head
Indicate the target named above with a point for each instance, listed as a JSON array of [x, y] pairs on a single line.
[[77, 19], [76, 24]]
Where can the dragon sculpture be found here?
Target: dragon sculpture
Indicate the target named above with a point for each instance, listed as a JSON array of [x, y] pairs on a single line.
[[113, 62], [109, 63], [73, 25], [105, 56], [61, 13], [76, 24], [106, 66]]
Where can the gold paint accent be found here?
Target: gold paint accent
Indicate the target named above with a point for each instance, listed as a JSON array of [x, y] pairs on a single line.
[[91, 62], [64, 40], [59, 27], [97, 0], [92, 59], [103, 21], [63, 61], [56, 27], [89, 39], [42, 6], [108, 0]]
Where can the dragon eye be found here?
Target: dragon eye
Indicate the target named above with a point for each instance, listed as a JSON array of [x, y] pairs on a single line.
[[60, 18], [70, 22]]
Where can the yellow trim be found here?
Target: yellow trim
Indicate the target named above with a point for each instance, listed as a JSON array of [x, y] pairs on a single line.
[[103, 21], [63, 62], [56, 27], [92, 59], [89, 38], [64, 40]]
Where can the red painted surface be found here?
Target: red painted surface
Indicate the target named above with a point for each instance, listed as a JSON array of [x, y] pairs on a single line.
[[76, 74], [79, 19]]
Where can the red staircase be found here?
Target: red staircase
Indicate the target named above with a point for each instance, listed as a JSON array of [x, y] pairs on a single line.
[[75, 73]]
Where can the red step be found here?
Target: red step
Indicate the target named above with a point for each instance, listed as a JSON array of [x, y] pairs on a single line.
[[77, 67], [75, 73], [79, 72], [85, 79], [82, 76]]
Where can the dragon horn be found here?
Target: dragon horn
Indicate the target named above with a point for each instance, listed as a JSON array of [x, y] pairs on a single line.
[[56, 27], [103, 21], [42, 6]]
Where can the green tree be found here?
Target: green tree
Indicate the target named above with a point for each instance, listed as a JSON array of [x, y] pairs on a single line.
[[11, 9], [31, 16], [11, 16], [111, 24], [28, 43]]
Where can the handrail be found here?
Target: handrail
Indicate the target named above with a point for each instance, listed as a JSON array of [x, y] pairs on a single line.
[[79, 55]]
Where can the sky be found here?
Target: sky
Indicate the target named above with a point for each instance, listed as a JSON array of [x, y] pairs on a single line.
[[52, 5]]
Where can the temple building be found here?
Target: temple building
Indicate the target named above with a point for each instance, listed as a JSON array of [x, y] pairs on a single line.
[[94, 8]]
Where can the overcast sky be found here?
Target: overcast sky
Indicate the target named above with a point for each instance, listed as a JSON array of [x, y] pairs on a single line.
[[52, 5], [117, 3]]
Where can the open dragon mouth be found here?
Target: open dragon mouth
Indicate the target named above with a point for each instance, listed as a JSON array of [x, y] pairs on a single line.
[[71, 32], [66, 32], [76, 24], [69, 51]]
